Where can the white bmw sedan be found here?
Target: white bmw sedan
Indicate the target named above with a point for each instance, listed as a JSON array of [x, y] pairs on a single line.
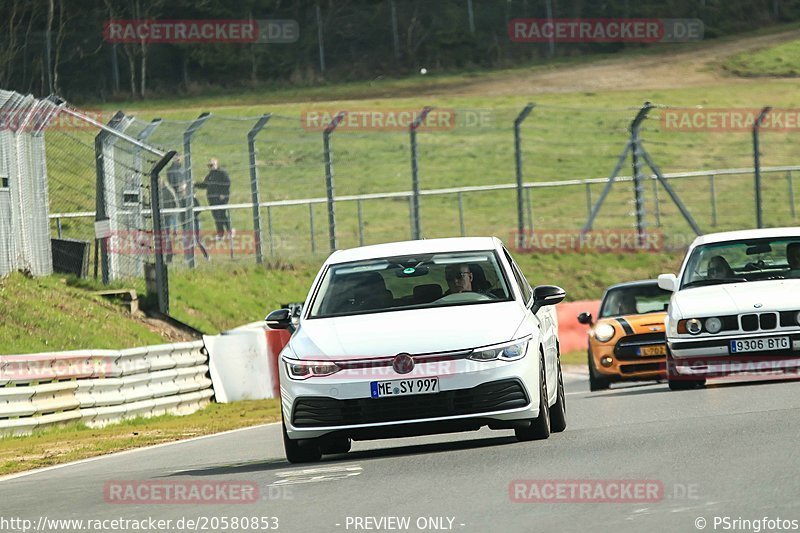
[[415, 338], [735, 307]]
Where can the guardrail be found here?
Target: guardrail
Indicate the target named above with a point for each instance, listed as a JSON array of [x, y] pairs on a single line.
[[99, 387]]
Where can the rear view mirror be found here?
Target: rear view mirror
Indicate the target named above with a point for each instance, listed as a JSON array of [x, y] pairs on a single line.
[[279, 319], [585, 318], [759, 249], [668, 282], [546, 295]]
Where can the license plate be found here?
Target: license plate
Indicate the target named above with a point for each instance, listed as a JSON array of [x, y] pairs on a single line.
[[646, 351], [760, 345], [404, 387]]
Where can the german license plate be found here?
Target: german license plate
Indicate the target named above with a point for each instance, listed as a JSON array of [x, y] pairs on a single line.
[[404, 387], [760, 345], [646, 351]]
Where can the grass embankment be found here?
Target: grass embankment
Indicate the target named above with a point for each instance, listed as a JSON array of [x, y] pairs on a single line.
[[45, 314], [782, 61], [75, 441]]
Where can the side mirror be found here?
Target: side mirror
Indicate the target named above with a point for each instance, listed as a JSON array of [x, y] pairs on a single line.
[[585, 318], [279, 319], [668, 282], [544, 295]]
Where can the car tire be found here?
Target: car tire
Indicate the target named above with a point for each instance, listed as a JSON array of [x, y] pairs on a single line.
[[558, 412], [676, 382], [301, 450], [337, 445], [539, 428], [596, 382]]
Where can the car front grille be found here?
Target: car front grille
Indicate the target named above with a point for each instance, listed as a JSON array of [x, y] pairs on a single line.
[[325, 411], [626, 348], [756, 322]]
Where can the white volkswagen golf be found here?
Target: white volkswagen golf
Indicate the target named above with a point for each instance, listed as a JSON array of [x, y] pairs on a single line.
[[735, 307], [415, 338]]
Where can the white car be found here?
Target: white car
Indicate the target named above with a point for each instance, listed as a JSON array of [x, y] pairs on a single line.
[[415, 338], [735, 307]]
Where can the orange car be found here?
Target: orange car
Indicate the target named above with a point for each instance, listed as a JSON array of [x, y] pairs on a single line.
[[627, 342]]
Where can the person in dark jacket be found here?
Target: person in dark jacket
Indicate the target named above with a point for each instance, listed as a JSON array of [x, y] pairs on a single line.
[[218, 191]]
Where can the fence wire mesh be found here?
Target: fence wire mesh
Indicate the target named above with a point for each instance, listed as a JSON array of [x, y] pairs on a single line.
[[253, 187]]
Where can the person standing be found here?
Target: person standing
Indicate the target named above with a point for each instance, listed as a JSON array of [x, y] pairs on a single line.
[[218, 191]]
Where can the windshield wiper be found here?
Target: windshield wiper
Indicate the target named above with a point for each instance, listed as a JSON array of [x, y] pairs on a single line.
[[712, 281]]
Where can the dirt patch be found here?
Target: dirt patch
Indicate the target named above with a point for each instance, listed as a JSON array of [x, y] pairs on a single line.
[[169, 332], [670, 70]]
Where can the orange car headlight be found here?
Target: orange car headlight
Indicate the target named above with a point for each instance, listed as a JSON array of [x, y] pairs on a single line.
[[604, 332]]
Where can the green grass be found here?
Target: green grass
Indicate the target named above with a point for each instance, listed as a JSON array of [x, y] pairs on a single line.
[[214, 299], [75, 441], [782, 60], [45, 314]]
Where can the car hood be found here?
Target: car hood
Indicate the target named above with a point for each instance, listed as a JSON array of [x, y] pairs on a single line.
[[737, 298], [645, 323], [412, 331]]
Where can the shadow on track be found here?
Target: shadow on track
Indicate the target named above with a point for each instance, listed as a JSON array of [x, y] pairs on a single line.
[[330, 460]]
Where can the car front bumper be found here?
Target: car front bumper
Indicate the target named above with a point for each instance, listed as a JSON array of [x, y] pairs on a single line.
[[711, 357], [471, 394]]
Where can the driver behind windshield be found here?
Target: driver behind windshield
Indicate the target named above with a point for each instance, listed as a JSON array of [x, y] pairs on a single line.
[[459, 278], [793, 258], [718, 268]]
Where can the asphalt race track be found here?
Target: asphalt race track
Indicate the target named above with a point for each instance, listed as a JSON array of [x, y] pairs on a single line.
[[730, 451]]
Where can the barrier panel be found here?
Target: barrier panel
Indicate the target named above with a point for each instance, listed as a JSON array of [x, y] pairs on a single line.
[[244, 363], [100, 387]]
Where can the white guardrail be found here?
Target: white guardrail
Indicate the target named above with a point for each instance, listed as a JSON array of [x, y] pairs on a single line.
[[99, 387]]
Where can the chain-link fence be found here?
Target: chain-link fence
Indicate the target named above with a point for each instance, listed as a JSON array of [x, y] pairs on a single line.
[[24, 231], [294, 185], [292, 194]]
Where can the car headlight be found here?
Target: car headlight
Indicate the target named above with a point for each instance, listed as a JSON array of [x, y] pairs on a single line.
[[604, 332], [713, 325], [502, 352], [307, 369], [693, 326]]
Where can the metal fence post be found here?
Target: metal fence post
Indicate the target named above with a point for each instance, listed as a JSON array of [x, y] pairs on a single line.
[[162, 278], [518, 161], [416, 232], [791, 195], [638, 184], [142, 136], [757, 164], [251, 148], [326, 146], [589, 198], [656, 200], [101, 214], [187, 169]]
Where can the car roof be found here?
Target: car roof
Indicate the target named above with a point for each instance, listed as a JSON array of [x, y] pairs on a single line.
[[456, 244], [746, 234], [637, 283]]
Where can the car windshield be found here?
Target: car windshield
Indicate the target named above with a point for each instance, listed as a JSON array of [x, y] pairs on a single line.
[[743, 260], [410, 282], [635, 300]]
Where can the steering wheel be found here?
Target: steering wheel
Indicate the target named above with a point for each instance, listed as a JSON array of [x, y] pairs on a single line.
[[467, 296]]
